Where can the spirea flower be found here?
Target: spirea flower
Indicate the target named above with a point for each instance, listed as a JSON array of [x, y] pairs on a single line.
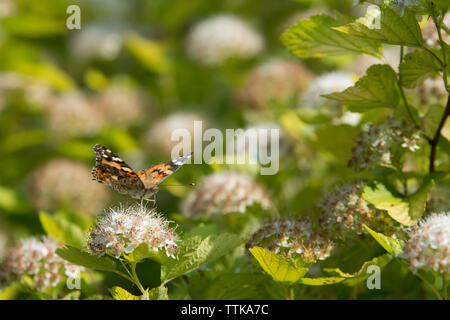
[[97, 41], [31, 90], [325, 84], [62, 183], [223, 193], [121, 106], [264, 132], [429, 244], [276, 81], [214, 40], [344, 212], [123, 229], [377, 144], [37, 258], [158, 137], [73, 115], [292, 238]]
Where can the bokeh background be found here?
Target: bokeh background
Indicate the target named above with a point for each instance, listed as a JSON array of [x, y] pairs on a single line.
[[139, 69]]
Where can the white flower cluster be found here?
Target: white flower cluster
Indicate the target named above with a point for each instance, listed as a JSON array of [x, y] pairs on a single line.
[[273, 82], [123, 229], [223, 193], [429, 244], [37, 258], [292, 238], [72, 115], [378, 143], [159, 135], [120, 105], [214, 40], [97, 42], [344, 212], [65, 184], [325, 84]]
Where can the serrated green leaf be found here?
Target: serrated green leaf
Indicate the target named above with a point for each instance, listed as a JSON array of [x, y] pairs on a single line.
[[81, 258], [418, 66], [361, 275], [394, 28], [391, 245], [158, 293], [278, 267], [195, 251], [432, 118], [377, 89], [315, 38], [408, 210], [119, 293], [62, 230]]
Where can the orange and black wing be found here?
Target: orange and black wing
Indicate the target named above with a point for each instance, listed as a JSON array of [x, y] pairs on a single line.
[[156, 174], [111, 170]]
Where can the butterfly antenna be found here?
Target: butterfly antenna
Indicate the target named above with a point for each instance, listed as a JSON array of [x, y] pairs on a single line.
[[192, 184]]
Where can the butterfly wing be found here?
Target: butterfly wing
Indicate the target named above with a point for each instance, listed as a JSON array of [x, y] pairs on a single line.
[[156, 174], [111, 170]]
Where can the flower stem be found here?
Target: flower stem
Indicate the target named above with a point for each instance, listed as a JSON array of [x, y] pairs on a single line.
[[435, 140], [430, 285], [136, 278], [444, 279]]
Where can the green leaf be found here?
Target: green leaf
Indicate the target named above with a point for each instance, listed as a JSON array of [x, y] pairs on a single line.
[[119, 293], [63, 230], [432, 118], [418, 66], [143, 252], [78, 257], [315, 38], [377, 89], [33, 25], [322, 281], [361, 275], [394, 28], [278, 267], [150, 53], [408, 210], [75, 295], [393, 246], [45, 72], [9, 199], [158, 293], [195, 251]]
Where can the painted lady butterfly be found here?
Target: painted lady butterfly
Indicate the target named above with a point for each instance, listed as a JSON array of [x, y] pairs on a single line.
[[111, 170]]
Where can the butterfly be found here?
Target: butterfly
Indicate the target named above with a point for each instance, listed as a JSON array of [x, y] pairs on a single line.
[[111, 170]]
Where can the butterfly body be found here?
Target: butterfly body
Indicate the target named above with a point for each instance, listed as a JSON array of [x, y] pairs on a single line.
[[111, 170]]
